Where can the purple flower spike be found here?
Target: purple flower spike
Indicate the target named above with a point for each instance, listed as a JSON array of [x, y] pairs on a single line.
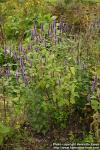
[[94, 83], [35, 30], [55, 31], [93, 86], [29, 47], [61, 25], [20, 48], [54, 23], [32, 34], [21, 62], [8, 72], [23, 74], [15, 56]]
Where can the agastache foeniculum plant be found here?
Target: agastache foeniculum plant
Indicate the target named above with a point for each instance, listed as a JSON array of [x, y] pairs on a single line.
[[42, 28], [20, 48], [21, 62], [8, 71], [94, 84], [38, 38], [94, 87], [29, 46], [23, 74], [15, 55]]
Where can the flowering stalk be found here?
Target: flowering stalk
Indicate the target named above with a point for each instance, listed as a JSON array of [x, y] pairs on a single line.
[[94, 84], [32, 34], [22, 73], [29, 46], [21, 62], [20, 48], [8, 72], [15, 56]]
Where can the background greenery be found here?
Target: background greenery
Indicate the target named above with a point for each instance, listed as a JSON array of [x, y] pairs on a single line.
[[49, 82]]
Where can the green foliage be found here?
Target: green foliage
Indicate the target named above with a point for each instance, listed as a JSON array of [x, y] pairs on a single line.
[[4, 131], [57, 75], [88, 138]]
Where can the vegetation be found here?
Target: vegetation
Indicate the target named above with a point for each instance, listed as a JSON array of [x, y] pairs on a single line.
[[49, 73]]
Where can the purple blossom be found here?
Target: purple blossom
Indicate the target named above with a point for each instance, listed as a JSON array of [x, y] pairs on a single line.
[[21, 62], [24, 54], [61, 26], [32, 34], [15, 56], [20, 48], [54, 24], [94, 83], [55, 30], [8, 71], [29, 47], [23, 73], [35, 30]]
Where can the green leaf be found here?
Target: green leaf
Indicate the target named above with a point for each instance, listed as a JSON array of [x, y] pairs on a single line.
[[72, 70], [1, 139], [72, 100], [95, 105], [4, 129]]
